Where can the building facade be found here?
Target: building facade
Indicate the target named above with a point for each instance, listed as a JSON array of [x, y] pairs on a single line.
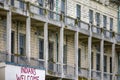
[[59, 39]]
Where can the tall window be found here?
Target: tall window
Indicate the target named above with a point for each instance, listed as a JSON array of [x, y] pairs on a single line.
[[12, 45], [63, 6], [65, 54], [79, 58], [110, 64], [92, 59], [98, 61], [51, 6], [21, 4], [12, 41], [22, 44], [40, 3], [51, 3], [78, 9], [97, 19], [50, 58], [90, 16], [12, 2], [104, 21], [105, 63], [41, 49], [111, 24]]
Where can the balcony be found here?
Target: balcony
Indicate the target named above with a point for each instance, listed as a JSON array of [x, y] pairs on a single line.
[[107, 76], [22, 60], [54, 69], [115, 1], [83, 72], [96, 75], [68, 72]]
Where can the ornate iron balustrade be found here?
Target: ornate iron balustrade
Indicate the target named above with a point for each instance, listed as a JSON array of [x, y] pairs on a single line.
[[68, 72]]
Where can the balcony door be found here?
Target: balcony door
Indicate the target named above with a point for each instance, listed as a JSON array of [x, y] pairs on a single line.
[[119, 63]]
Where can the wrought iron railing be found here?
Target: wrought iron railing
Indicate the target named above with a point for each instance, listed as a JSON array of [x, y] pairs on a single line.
[[96, 75], [107, 76], [108, 33], [96, 29], [83, 25], [19, 4], [21, 60], [118, 37], [69, 21], [54, 68], [83, 72], [37, 10], [53, 15], [68, 72]]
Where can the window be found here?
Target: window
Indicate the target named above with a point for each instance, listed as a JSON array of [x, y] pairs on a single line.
[[105, 63], [12, 41], [40, 3], [92, 58], [21, 4], [98, 61], [110, 64], [65, 55], [12, 45], [90, 16], [50, 58], [12, 2], [63, 6], [104, 21], [78, 11], [111, 24], [41, 49], [97, 19], [51, 3], [22, 44], [79, 58]]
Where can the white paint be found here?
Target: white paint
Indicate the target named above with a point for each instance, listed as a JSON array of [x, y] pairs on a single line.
[[11, 73]]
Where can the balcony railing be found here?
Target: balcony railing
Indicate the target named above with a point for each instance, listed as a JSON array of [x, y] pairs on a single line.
[[54, 68], [107, 76], [37, 10], [96, 75], [19, 4], [68, 72], [53, 15], [108, 33], [96, 30], [83, 72], [21, 60], [69, 21], [83, 25], [118, 37]]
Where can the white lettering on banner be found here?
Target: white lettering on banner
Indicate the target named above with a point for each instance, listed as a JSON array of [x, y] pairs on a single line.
[[24, 73]]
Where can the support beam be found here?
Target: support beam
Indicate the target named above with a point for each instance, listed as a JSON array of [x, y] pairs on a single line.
[[102, 55], [89, 53], [76, 55], [61, 45], [113, 59], [46, 45], [8, 29], [28, 38]]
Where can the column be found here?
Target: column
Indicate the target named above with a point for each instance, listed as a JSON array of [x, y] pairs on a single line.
[[76, 54], [28, 30], [89, 53], [113, 59], [61, 45], [101, 55], [8, 29], [46, 45]]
